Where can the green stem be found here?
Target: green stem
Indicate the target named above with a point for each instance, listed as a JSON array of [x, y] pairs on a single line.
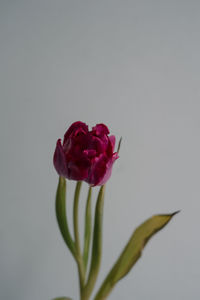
[[97, 246], [88, 225], [61, 215], [79, 259]]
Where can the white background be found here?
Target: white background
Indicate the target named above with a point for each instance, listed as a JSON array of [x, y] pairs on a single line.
[[133, 65]]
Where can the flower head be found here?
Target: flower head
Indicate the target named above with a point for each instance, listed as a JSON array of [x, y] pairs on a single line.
[[86, 155]]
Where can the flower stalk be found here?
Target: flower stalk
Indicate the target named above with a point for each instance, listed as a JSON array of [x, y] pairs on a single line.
[[88, 229], [96, 247], [60, 207], [79, 258]]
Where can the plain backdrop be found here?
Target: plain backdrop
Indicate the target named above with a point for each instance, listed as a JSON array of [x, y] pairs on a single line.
[[135, 66]]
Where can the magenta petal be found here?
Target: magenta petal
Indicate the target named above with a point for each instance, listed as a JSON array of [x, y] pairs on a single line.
[[112, 141], [78, 170], [59, 160], [108, 172], [98, 144], [76, 126], [100, 130], [98, 170]]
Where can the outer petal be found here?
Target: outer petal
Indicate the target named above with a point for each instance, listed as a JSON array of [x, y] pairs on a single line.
[[112, 141], [111, 146], [108, 172], [74, 129], [59, 160], [97, 170]]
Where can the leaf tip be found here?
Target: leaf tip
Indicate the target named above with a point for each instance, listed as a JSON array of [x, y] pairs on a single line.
[[175, 213], [170, 215], [119, 144]]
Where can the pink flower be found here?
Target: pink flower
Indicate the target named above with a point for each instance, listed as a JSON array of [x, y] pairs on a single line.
[[86, 155]]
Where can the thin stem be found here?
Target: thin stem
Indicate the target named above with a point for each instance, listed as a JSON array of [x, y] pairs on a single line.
[[76, 225], [61, 215], [79, 259], [88, 225], [97, 246]]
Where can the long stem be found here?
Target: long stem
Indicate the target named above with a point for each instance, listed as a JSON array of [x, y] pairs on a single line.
[[79, 259], [97, 246], [88, 225], [61, 215]]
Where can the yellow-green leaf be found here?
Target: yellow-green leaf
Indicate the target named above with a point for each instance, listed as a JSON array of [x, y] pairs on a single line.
[[62, 298], [132, 252]]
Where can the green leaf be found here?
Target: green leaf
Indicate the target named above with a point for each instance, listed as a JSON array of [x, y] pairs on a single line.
[[88, 225], [119, 145], [97, 245], [62, 298], [61, 214], [132, 252]]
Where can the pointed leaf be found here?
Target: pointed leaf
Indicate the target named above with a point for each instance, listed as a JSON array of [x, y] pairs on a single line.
[[119, 145], [62, 298], [132, 252]]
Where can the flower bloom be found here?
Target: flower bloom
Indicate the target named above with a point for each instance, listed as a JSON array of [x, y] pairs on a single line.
[[86, 155]]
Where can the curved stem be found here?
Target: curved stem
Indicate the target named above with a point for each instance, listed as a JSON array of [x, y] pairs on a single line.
[[61, 215]]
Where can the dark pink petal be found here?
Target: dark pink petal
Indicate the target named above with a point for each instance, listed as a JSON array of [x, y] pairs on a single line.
[[59, 160], [100, 130], [82, 140], [98, 170], [111, 145], [98, 144], [78, 170], [108, 172], [74, 129], [112, 141], [90, 153], [75, 147]]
